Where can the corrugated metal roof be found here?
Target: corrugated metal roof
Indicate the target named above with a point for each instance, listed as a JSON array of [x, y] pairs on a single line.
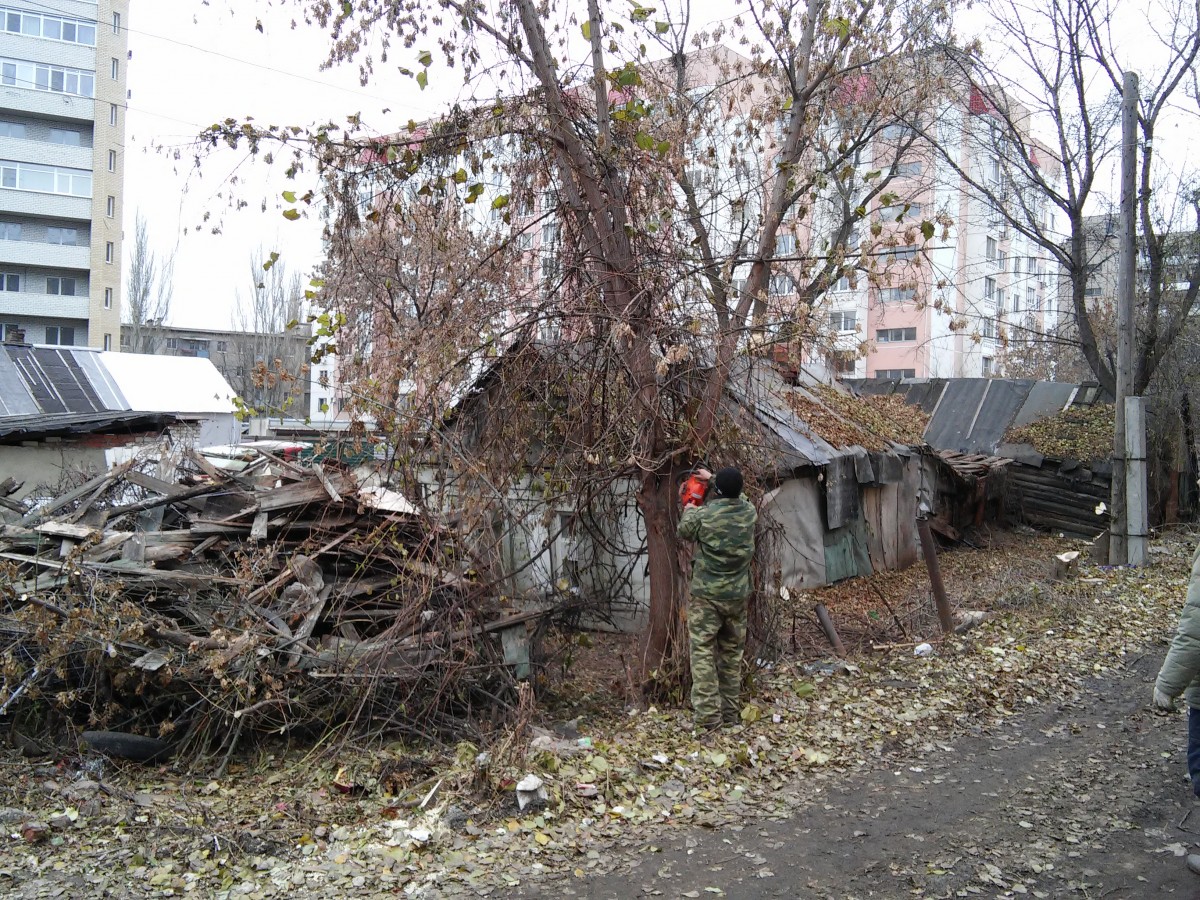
[[972, 415], [15, 399], [57, 382]]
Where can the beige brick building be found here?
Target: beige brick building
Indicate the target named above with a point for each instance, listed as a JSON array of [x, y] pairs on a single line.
[[62, 157]]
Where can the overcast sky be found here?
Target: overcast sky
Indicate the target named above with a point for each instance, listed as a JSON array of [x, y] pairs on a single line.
[[195, 64]]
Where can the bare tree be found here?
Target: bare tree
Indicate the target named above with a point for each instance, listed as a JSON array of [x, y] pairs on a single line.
[[151, 286], [588, 171], [267, 361], [1048, 112]]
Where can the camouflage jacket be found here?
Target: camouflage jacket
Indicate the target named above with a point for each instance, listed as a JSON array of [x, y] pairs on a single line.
[[723, 530], [1180, 673]]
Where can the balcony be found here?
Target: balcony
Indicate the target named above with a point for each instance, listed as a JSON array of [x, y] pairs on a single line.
[[45, 153], [48, 256], [21, 303], [48, 104], [49, 206]]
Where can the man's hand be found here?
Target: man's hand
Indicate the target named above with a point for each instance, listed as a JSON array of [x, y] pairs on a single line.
[[1162, 701]]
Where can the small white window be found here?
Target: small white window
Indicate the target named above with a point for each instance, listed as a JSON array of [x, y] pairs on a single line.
[[108, 294], [112, 160], [110, 252], [116, 23], [112, 112], [108, 342], [110, 206], [116, 68]]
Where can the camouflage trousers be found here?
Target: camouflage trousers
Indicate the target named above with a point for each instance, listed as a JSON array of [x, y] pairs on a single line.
[[717, 630]]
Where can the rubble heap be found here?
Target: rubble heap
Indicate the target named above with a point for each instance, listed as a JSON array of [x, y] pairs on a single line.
[[184, 614]]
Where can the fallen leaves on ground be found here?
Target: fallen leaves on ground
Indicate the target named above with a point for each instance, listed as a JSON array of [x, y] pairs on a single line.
[[278, 826]]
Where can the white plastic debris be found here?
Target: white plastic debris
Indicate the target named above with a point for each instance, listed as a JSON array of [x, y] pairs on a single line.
[[923, 650], [530, 788]]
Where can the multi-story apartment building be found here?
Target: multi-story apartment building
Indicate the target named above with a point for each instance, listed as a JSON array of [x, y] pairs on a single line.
[[62, 147], [952, 305]]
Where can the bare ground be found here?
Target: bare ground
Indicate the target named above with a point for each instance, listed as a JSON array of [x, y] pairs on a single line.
[[1078, 799]]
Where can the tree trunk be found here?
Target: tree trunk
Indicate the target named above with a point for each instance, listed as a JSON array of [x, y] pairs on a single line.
[[664, 656]]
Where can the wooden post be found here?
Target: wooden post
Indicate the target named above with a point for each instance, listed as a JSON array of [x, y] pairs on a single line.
[[830, 631], [929, 549]]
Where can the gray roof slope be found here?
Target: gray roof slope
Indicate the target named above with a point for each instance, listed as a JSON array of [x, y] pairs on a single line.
[[972, 415], [14, 429]]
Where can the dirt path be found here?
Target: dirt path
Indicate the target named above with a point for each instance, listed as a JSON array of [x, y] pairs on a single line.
[[1079, 799]]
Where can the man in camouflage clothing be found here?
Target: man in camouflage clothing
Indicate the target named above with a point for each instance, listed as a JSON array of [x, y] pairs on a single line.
[[723, 528]]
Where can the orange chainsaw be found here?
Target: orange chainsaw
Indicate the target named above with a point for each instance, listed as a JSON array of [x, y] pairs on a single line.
[[694, 488]]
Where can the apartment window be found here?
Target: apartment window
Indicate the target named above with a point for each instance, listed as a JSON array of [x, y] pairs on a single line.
[[323, 378], [900, 254], [989, 288], [57, 284], [843, 320], [108, 342], [55, 28], [12, 129], [112, 114], [68, 237], [842, 284], [45, 179], [323, 404], [10, 231], [10, 330], [908, 169], [66, 136], [524, 240], [1001, 259], [994, 168], [108, 298], [897, 131], [173, 344], [1000, 300], [549, 201], [988, 366], [780, 285], [843, 363], [222, 346], [116, 23], [895, 374], [1031, 299], [898, 295], [110, 206], [899, 211], [45, 77], [988, 328], [112, 160], [785, 245], [1017, 265], [992, 246], [63, 335], [124, 338], [895, 335], [550, 233], [10, 281], [116, 68], [109, 252]]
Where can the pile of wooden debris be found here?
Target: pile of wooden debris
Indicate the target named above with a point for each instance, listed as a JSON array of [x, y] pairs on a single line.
[[191, 607]]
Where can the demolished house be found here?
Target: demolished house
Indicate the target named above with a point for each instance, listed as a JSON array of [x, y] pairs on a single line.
[[1036, 452], [837, 479], [284, 597]]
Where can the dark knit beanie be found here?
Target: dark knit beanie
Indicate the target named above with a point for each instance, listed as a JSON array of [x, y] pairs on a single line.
[[728, 482]]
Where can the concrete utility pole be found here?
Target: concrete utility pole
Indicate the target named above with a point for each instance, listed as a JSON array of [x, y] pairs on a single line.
[[1137, 513], [1118, 548]]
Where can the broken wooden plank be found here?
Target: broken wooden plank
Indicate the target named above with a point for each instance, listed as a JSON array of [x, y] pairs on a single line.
[[327, 483], [71, 496], [67, 530], [258, 531]]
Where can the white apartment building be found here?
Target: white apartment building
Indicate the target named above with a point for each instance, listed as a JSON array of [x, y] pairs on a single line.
[[952, 306], [62, 156]]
